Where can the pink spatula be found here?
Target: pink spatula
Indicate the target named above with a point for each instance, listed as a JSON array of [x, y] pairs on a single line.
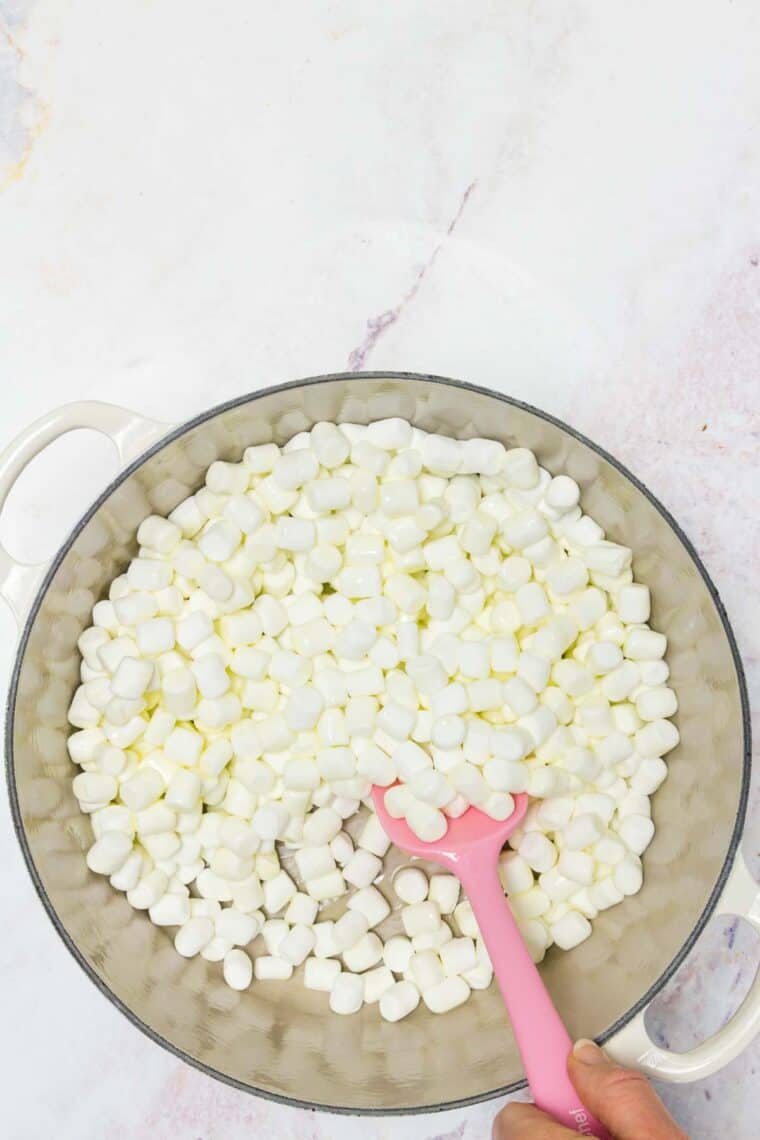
[[470, 849]]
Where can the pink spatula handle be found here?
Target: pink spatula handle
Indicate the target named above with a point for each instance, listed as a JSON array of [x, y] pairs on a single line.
[[543, 1041]]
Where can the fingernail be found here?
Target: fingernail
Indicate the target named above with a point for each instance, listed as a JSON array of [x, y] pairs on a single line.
[[587, 1052]]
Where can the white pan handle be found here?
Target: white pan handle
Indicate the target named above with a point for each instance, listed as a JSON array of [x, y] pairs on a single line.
[[130, 434], [634, 1047]]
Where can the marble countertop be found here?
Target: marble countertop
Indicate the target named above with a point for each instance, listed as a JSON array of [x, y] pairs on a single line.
[[557, 201]]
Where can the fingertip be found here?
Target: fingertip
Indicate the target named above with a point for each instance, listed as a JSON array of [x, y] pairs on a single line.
[[587, 1052], [519, 1121]]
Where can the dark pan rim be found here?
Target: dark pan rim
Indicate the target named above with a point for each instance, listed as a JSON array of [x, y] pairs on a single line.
[[170, 437]]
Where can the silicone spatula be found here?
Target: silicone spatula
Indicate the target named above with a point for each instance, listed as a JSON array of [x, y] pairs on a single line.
[[470, 850]]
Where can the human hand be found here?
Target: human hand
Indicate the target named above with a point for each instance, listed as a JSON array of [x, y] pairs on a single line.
[[622, 1099]]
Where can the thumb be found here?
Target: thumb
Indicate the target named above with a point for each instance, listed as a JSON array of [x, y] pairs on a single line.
[[622, 1099]]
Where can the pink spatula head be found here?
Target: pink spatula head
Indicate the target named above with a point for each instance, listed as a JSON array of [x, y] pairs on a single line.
[[473, 835], [470, 849]]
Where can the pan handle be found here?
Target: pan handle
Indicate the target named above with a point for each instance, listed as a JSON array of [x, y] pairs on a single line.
[[633, 1046], [130, 434]]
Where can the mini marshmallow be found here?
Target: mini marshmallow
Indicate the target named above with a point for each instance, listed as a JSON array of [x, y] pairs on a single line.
[[397, 953], [267, 968], [636, 831], [370, 903], [633, 604], [570, 930], [538, 851], [653, 672], [238, 970], [603, 657], [649, 774], [411, 885], [347, 994], [142, 789], [651, 704], [295, 468], [329, 886], [628, 875], [656, 738], [426, 969], [458, 956], [372, 837], [362, 868], [109, 853], [562, 494], [148, 574], [447, 995], [531, 904], [365, 953], [581, 832], [576, 866], [321, 973], [278, 891], [132, 678], [273, 931], [444, 890], [399, 1001], [170, 910], [481, 976], [432, 939], [556, 886], [428, 823], [519, 696], [297, 944], [515, 873], [420, 918], [604, 893], [465, 919], [236, 927], [644, 645], [377, 982]]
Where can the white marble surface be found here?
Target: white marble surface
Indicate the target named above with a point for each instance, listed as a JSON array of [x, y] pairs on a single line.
[[559, 201]]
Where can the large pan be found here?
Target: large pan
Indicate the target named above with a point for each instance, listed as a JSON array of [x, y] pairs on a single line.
[[277, 1039]]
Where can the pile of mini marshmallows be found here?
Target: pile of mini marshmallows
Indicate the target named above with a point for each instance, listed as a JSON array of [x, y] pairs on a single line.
[[366, 605]]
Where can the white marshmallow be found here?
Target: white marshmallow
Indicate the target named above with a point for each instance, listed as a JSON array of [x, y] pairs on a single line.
[[447, 995], [347, 994], [320, 974], [581, 832], [427, 823], [397, 953], [362, 868], [399, 1001], [268, 968], [465, 919], [444, 890], [297, 944], [278, 891], [364, 954], [109, 853], [426, 969], [644, 645], [458, 956], [329, 886], [656, 738], [538, 851], [420, 918], [636, 831], [370, 903], [570, 930], [411, 884]]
